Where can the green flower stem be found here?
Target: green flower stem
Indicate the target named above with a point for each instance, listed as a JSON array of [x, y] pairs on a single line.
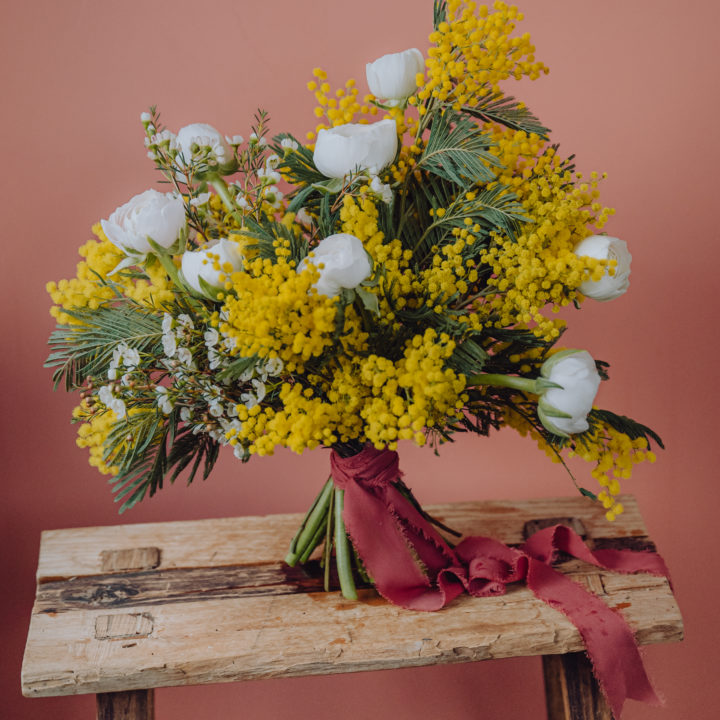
[[315, 541], [342, 551], [316, 516], [510, 381], [223, 191], [327, 550]]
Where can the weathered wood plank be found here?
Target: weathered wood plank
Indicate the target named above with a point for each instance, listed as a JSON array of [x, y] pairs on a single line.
[[220, 607], [264, 539], [311, 633]]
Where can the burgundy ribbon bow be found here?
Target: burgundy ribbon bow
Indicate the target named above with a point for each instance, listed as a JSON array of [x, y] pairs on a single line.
[[412, 566]]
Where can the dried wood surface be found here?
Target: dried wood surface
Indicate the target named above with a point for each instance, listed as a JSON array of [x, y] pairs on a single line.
[[215, 604]]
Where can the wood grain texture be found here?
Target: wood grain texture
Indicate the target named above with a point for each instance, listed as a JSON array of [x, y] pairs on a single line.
[[571, 691], [131, 705], [242, 615]]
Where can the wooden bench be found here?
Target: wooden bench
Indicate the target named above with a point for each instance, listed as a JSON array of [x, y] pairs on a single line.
[[124, 609]]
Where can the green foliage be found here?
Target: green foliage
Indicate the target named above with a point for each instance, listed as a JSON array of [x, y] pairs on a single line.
[[505, 110], [626, 425], [457, 151], [267, 232], [157, 449], [84, 350]]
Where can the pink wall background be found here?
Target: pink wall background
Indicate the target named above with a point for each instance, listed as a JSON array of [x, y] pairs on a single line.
[[632, 91]]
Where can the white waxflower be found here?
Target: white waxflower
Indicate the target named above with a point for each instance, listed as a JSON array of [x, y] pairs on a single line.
[[185, 321], [167, 322], [563, 410], [341, 261], [304, 218], [273, 366], [273, 196], [154, 215], [117, 405], [215, 407], [393, 76], [352, 147], [211, 264], [614, 282], [169, 343], [145, 117], [288, 144], [163, 401], [200, 139], [185, 357], [234, 140], [382, 190], [211, 337], [185, 414], [201, 199]]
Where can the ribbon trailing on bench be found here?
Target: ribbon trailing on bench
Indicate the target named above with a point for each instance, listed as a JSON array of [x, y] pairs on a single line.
[[412, 566]]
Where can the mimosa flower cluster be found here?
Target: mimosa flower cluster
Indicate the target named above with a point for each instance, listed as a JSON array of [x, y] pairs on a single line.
[[394, 280]]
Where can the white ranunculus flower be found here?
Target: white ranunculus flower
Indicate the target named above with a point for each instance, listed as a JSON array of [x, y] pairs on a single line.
[[576, 374], [344, 149], [203, 135], [604, 247], [393, 76], [202, 264], [152, 214], [341, 261]]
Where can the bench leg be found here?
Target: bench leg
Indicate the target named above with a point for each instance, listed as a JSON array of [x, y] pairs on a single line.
[[571, 691], [129, 705]]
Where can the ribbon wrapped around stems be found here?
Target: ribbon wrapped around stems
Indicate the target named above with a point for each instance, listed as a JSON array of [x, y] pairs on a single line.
[[411, 565]]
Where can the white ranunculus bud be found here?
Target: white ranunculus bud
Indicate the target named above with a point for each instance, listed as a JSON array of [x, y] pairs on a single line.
[[563, 410], [152, 214], [604, 247], [353, 147], [201, 135], [393, 76], [342, 263], [225, 255]]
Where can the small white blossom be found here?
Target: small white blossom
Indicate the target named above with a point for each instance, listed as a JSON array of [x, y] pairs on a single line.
[[145, 117], [273, 366], [186, 321], [288, 144], [212, 337], [272, 177], [215, 407], [201, 199], [246, 374], [382, 190], [273, 196], [185, 357], [167, 323], [185, 414], [303, 218], [234, 140], [163, 401], [169, 344], [106, 397]]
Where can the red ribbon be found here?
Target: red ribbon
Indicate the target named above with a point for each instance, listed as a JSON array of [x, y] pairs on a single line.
[[412, 566]]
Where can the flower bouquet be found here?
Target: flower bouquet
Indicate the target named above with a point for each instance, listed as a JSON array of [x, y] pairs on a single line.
[[392, 276]]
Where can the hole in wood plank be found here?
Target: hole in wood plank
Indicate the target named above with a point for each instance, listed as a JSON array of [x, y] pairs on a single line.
[[143, 558], [128, 625]]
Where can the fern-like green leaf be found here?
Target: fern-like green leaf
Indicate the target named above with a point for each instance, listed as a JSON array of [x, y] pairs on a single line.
[[456, 150], [505, 110], [84, 350]]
